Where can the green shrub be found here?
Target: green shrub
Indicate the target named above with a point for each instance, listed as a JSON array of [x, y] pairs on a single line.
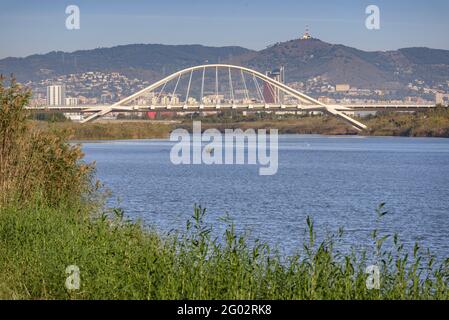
[[35, 162]]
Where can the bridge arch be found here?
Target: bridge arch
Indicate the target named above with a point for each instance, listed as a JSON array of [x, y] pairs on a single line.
[[274, 83]]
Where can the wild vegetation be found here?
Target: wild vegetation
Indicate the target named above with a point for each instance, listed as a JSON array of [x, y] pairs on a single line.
[[121, 260], [52, 217], [432, 123], [108, 131], [35, 163]]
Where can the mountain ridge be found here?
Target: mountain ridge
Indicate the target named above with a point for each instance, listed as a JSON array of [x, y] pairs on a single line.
[[303, 59]]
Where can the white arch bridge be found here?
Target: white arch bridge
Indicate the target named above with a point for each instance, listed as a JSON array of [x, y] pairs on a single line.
[[216, 87]]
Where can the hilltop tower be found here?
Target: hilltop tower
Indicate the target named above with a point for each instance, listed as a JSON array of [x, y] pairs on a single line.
[[306, 35]]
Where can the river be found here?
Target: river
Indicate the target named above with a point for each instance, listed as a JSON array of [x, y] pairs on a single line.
[[338, 181]]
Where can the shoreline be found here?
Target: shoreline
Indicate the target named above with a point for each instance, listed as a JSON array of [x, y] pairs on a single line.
[[311, 135], [424, 124]]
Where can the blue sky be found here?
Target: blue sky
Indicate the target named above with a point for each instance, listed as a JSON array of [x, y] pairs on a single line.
[[38, 26]]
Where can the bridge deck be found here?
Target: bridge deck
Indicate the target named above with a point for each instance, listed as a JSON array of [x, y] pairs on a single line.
[[245, 107]]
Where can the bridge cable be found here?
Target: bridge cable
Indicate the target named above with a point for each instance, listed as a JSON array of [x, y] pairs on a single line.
[[273, 94], [230, 86], [244, 84], [188, 87], [202, 86], [216, 85], [160, 92], [176, 86], [262, 98]]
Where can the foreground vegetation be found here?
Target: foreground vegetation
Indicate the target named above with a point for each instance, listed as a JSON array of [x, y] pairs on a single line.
[[52, 217], [122, 260], [433, 123]]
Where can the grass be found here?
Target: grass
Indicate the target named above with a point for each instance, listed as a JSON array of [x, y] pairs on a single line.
[[122, 260], [120, 130]]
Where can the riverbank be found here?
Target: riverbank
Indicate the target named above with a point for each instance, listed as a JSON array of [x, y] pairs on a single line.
[[433, 123]]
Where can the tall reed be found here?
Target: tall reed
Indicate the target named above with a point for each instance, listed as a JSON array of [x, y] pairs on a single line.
[[119, 259], [35, 162]]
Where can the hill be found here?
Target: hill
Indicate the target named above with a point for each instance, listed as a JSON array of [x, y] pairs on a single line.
[[143, 61], [303, 59]]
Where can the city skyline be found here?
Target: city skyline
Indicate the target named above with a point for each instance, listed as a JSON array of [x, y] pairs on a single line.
[[31, 28]]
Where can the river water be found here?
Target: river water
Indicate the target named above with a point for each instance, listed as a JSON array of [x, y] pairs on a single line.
[[338, 181]]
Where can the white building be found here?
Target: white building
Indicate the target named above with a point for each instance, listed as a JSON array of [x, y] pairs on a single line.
[[71, 101], [55, 95], [306, 35], [74, 116], [174, 100], [342, 87], [165, 100]]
